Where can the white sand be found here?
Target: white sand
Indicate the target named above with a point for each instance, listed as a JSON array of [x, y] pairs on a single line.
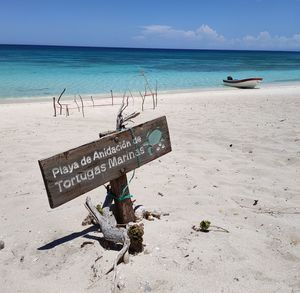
[[202, 178]]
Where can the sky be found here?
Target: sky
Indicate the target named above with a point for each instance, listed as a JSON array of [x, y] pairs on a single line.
[[179, 24]]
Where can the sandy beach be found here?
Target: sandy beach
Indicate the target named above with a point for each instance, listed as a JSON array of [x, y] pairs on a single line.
[[231, 149]]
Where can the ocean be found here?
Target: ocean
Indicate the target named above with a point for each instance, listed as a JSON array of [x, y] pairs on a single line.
[[35, 71]]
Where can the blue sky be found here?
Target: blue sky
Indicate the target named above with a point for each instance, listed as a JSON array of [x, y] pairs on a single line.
[[195, 24]]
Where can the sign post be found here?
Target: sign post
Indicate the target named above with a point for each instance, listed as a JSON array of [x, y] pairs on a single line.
[[124, 212], [72, 173]]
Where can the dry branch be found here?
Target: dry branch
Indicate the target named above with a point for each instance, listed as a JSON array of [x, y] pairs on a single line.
[[111, 233], [58, 100], [120, 119]]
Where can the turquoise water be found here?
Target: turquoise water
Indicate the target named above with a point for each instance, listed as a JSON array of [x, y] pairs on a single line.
[[34, 71]]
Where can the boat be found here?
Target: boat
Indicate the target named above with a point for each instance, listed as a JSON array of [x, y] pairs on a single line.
[[247, 83]]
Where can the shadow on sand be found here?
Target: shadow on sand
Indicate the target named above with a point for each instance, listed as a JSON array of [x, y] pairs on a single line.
[[67, 238], [84, 233]]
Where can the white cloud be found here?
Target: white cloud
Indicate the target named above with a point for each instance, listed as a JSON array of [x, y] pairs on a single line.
[[206, 37], [204, 32], [264, 40]]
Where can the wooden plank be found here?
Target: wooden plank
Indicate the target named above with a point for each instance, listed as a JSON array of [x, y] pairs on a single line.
[[79, 170]]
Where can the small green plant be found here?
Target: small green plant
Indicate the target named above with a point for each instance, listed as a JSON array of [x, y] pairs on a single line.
[[99, 208], [204, 225]]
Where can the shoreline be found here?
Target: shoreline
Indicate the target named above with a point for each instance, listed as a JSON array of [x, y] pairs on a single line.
[[102, 96]]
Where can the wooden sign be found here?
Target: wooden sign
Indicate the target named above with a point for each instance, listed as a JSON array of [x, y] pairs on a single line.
[[77, 171]]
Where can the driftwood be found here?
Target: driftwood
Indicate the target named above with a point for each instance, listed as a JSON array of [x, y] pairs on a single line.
[[82, 105], [58, 101], [152, 94], [60, 105], [54, 107], [76, 104], [111, 233], [112, 97], [131, 237], [120, 123], [108, 224]]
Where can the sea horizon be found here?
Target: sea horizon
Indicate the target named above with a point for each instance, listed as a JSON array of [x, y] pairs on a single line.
[[149, 48], [45, 70]]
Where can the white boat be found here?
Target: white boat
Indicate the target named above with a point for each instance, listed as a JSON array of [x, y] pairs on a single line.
[[247, 83]]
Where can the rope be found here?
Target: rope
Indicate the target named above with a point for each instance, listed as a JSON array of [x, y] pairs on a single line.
[[121, 198]]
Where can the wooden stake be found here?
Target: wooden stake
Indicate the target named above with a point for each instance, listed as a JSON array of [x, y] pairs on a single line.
[[112, 97], [156, 93], [143, 100], [93, 101], [54, 106], [82, 105], [76, 104], [153, 101], [58, 100], [67, 111], [124, 212]]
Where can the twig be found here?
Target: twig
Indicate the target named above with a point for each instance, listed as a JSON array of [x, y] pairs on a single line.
[[220, 228], [143, 100], [120, 119]]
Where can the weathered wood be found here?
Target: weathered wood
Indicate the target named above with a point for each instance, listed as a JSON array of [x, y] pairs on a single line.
[[156, 93], [120, 118], [67, 110], [54, 106], [143, 100], [93, 101], [77, 104], [105, 133], [58, 101], [112, 97], [79, 170], [111, 233], [124, 212], [82, 105], [153, 101]]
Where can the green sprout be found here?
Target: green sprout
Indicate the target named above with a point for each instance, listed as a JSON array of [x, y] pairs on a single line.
[[204, 225], [99, 208]]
